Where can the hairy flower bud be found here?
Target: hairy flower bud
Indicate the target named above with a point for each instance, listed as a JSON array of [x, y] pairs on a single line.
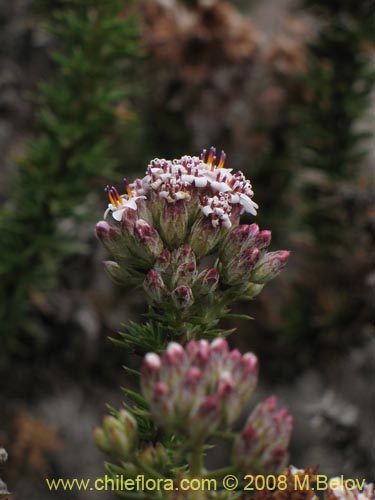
[[195, 390], [269, 266], [120, 275], [182, 297], [204, 237], [118, 435], [262, 445], [148, 242], [238, 240], [206, 282], [174, 223], [238, 270], [154, 286], [112, 240]]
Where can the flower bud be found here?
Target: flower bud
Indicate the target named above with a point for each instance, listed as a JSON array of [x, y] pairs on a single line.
[[120, 275], [238, 270], [118, 435], [174, 223], [207, 282], [148, 242], [194, 390], [112, 240], [204, 237], [239, 239], [263, 240], [261, 447], [269, 266], [182, 297], [154, 286]]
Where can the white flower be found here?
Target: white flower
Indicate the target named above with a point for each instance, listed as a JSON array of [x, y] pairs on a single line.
[[118, 204]]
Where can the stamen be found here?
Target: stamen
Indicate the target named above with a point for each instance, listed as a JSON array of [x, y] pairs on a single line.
[[108, 190], [211, 156], [128, 190], [203, 155], [222, 160]]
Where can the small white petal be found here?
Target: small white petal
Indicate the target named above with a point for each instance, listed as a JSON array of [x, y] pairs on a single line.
[[117, 214], [187, 178], [222, 187], [200, 182], [248, 204], [131, 204], [207, 210], [234, 198]]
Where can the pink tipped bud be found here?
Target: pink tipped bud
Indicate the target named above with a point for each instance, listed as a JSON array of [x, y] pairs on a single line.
[[151, 363], [164, 260], [128, 220], [154, 286], [147, 238], [161, 389], [220, 345], [225, 385], [250, 361], [106, 232], [193, 376], [182, 297], [238, 240], [102, 229], [183, 254], [207, 282], [240, 267], [262, 445], [209, 405], [269, 266], [263, 240], [174, 353]]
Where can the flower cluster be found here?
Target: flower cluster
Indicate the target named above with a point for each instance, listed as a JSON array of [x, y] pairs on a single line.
[[118, 434], [197, 390], [264, 440], [180, 212], [194, 391], [219, 194], [344, 493]]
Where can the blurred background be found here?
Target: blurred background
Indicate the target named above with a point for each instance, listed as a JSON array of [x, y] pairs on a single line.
[[90, 91]]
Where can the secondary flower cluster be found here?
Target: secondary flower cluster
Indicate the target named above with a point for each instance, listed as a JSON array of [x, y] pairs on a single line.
[[264, 440], [180, 212], [204, 387], [193, 392]]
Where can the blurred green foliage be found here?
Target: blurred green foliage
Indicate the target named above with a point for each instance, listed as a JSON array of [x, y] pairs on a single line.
[[331, 145], [82, 118]]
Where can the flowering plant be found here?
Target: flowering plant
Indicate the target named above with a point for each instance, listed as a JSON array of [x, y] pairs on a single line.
[[177, 233]]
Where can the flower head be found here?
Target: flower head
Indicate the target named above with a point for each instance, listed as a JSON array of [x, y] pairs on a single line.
[[262, 444], [219, 194], [195, 390]]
